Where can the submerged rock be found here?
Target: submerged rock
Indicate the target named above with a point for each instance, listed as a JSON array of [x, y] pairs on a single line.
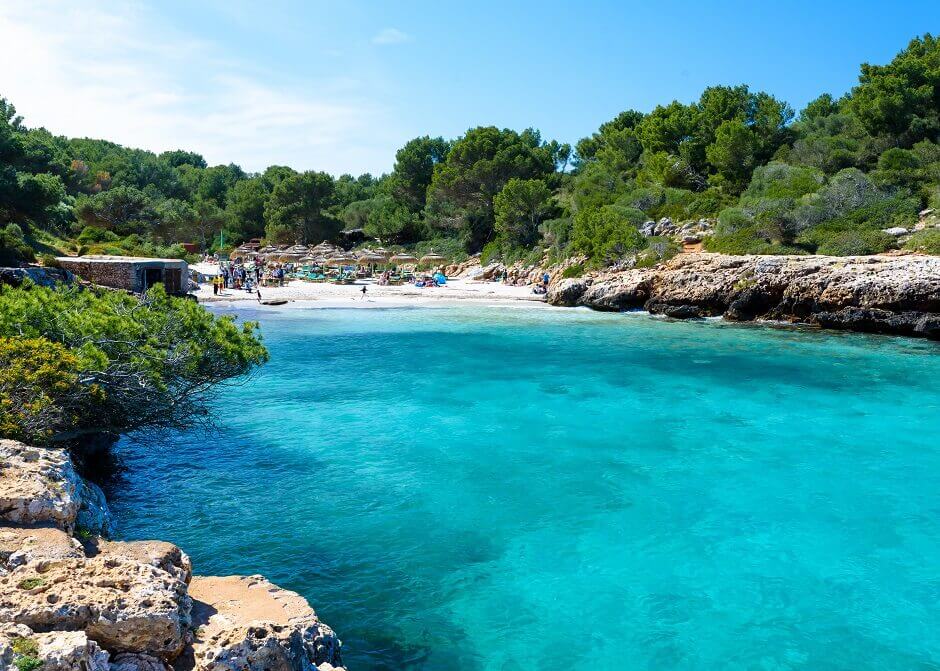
[[249, 624]]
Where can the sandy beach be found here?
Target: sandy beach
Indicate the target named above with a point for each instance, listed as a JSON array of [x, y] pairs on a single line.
[[350, 295]]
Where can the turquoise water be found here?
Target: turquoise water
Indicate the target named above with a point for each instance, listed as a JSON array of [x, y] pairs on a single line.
[[467, 488]]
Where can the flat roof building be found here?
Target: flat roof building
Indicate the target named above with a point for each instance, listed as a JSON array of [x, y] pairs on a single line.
[[130, 273]]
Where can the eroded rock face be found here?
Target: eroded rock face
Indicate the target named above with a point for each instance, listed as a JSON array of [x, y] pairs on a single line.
[[123, 604], [93, 513], [160, 554], [38, 487], [19, 546], [101, 605], [883, 294], [248, 624], [56, 650], [138, 661]]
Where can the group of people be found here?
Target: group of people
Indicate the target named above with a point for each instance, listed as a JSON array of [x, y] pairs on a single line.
[[238, 276]]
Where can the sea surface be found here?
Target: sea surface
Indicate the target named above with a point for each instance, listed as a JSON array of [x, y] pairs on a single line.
[[518, 488]]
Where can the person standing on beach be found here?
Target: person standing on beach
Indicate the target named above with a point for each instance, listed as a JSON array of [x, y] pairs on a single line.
[[363, 292]]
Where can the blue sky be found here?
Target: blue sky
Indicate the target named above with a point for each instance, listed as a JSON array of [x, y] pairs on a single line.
[[339, 86]]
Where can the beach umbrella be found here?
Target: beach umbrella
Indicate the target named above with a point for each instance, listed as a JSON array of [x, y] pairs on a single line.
[[370, 259], [432, 259], [403, 258], [340, 260]]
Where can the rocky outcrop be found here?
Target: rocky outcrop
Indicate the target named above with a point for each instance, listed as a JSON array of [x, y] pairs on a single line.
[[123, 604], [19, 546], [101, 605], [40, 487], [160, 554], [248, 624], [45, 277], [55, 651], [880, 294]]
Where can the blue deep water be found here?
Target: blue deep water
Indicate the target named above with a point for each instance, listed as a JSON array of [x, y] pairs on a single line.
[[518, 488]]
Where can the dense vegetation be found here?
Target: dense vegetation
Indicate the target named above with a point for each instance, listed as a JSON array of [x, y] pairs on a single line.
[[75, 362], [826, 180]]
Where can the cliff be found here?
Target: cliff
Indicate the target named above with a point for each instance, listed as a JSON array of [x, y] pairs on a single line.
[[877, 294], [82, 603]]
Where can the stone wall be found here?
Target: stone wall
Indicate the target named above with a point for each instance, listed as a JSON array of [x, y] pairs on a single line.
[[114, 274]]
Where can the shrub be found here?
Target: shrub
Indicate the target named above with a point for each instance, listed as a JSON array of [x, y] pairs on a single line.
[[746, 241], [27, 663], [24, 646], [490, 252], [39, 389], [14, 249], [31, 583], [733, 219], [92, 234], [855, 243], [659, 249], [574, 270], [607, 233], [76, 361], [778, 180], [49, 261], [926, 241], [26, 654]]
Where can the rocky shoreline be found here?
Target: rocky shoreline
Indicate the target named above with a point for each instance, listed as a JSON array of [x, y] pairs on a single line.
[[70, 600], [897, 295]]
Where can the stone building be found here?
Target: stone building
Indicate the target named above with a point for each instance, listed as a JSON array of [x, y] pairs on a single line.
[[130, 273]]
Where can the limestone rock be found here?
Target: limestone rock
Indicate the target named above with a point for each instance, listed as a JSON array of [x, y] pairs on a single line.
[[567, 292], [57, 650], [160, 554], [44, 277], [896, 231], [630, 290], [123, 604], [883, 294], [93, 512], [19, 546], [248, 624], [38, 486], [138, 661], [70, 651]]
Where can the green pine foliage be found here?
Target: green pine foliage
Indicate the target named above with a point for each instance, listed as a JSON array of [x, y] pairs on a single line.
[[75, 361], [826, 179]]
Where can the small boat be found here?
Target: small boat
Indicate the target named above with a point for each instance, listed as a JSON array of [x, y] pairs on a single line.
[[280, 301]]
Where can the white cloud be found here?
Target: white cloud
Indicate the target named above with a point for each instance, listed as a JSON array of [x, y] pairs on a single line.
[[118, 74], [391, 36]]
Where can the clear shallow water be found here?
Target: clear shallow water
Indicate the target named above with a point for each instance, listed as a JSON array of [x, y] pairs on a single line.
[[467, 488]]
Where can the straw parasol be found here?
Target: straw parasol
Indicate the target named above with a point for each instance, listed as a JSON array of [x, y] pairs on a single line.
[[370, 258], [432, 258], [403, 258], [340, 260]]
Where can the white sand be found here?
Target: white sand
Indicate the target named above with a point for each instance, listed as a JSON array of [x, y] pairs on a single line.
[[350, 295]]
